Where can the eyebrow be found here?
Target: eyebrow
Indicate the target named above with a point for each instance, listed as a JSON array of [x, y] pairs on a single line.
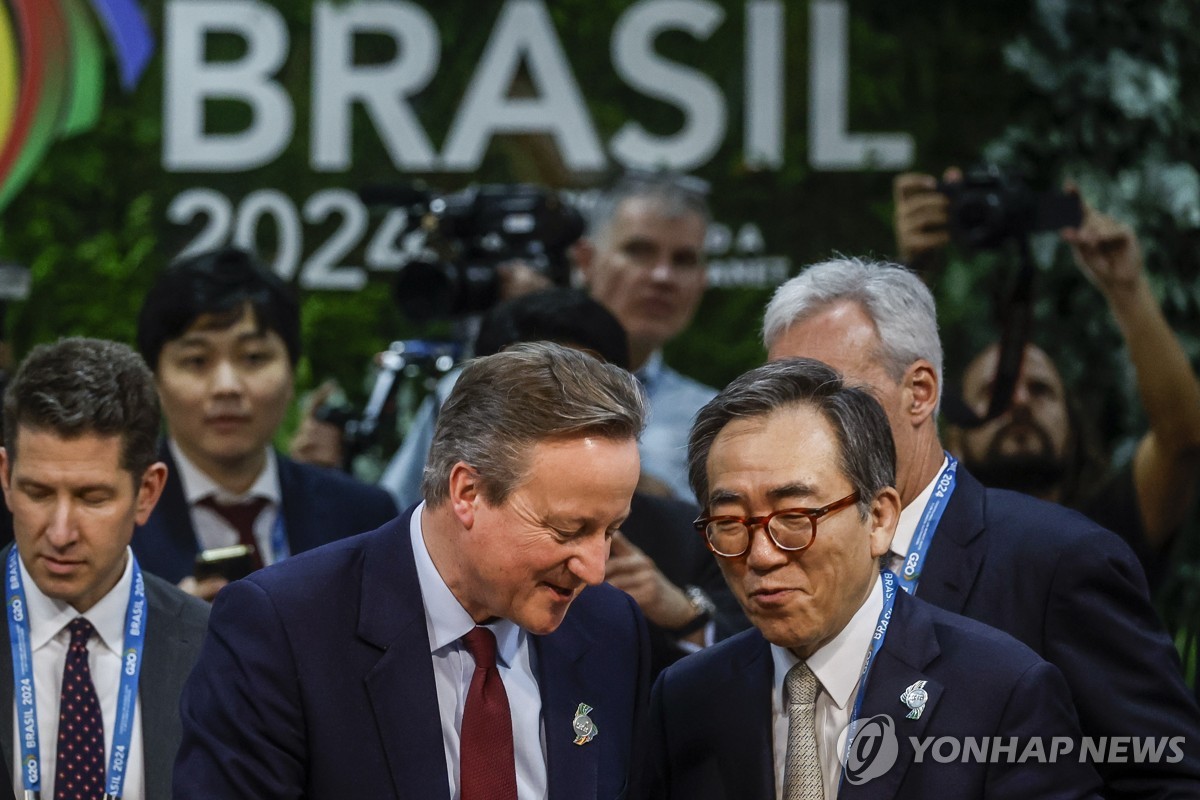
[[787, 491], [26, 483], [201, 340]]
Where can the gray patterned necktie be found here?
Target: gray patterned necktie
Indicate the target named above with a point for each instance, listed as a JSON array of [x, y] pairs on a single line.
[[802, 772]]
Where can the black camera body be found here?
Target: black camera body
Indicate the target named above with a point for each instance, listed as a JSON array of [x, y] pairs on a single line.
[[988, 209], [470, 233]]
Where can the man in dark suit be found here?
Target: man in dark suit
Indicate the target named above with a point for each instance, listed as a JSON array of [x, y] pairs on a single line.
[[1055, 580], [435, 657], [80, 469], [796, 471], [222, 335]]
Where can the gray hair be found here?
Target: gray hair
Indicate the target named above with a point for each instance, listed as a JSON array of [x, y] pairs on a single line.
[[506, 403], [673, 195], [77, 387], [864, 437], [893, 296]]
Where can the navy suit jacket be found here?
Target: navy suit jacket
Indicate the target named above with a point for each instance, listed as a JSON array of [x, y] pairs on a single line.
[[1074, 593], [319, 506], [316, 681], [175, 625], [711, 716]]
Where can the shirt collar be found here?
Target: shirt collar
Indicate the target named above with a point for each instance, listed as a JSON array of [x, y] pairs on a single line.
[[48, 616], [197, 485], [651, 370], [838, 665], [910, 515], [446, 621]]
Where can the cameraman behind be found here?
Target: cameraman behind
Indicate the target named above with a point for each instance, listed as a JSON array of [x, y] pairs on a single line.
[[1038, 444], [643, 259]]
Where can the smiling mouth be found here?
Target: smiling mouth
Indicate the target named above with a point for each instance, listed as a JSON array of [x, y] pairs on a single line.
[[561, 592], [771, 595]]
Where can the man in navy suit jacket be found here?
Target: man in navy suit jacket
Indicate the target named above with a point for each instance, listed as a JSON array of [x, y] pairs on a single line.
[[351, 671], [796, 472], [319, 506], [1064, 586], [222, 335]]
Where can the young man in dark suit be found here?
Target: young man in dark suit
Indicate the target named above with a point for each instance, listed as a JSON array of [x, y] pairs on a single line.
[[1050, 577], [222, 335], [110, 642], [436, 656], [796, 473]]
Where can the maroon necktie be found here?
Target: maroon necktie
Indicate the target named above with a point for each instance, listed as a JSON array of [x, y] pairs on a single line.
[[487, 766], [241, 516], [79, 769]]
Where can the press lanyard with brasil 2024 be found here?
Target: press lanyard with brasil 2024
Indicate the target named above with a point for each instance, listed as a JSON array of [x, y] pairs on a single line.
[[943, 487], [885, 617], [910, 576], [22, 658]]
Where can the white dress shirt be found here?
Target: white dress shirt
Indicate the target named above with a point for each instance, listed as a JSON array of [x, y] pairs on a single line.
[[50, 637], [910, 518], [447, 622], [213, 530], [838, 667]]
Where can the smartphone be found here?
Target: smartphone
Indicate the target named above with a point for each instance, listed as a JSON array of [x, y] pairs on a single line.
[[231, 563]]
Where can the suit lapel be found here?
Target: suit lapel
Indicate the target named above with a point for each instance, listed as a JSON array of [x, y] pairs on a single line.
[[745, 690], [958, 548], [570, 768], [298, 516], [401, 684], [158, 689], [907, 651]]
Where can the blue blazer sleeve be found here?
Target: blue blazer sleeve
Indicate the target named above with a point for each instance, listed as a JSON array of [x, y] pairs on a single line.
[[243, 736]]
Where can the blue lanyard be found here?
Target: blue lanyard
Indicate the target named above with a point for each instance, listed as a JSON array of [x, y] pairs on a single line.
[[279, 542], [885, 618], [22, 656], [910, 571]]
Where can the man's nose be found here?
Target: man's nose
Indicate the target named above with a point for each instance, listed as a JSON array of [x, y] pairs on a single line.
[[763, 553], [590, 562], [60, 530], [226, 379]]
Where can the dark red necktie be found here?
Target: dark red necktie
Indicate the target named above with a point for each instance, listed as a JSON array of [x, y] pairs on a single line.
[[79, 769], [487, 765], [242, 517]]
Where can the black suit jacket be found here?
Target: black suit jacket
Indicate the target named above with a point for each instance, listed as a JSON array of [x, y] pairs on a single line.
[[711, 716], [316, 681], [319, 506], [662, 529], [175, 628], [1075, 594]]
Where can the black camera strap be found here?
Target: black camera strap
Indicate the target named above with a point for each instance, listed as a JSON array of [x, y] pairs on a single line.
[[1017, 314]]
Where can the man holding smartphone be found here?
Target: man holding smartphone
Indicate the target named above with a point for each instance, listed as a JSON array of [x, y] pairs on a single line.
[[222, 335]]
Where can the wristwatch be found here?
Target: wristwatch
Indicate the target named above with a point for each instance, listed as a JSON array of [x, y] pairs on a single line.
[[704, 607]]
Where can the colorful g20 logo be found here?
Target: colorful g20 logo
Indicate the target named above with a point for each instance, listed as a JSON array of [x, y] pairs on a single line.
[[52, 74]]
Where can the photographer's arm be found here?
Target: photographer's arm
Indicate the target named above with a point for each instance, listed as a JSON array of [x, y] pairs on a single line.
[[315, 441], [1166, 464], [921, 218]]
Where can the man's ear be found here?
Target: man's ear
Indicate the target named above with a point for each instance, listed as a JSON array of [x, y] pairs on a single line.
[[885, 513], [150, 488], [465, 492], [922, 390]]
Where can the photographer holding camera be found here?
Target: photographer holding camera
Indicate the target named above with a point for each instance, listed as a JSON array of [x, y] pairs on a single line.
[[642, 259], [1038, 444]]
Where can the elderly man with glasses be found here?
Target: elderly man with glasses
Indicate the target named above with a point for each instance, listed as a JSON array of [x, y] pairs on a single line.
[[796, 473]]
